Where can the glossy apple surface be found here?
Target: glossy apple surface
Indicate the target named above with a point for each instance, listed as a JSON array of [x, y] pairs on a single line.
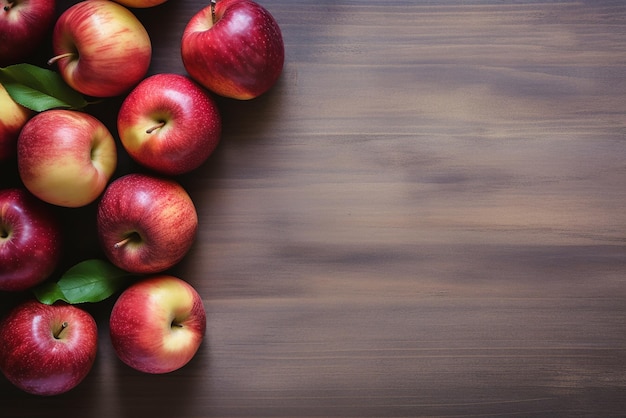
[[101, 48], [13, 117], [169, 124], [146, 224], [237, 51], [30, 240], [157, 324], [140, 4], [66, 157], [47, 349], [24, 25]]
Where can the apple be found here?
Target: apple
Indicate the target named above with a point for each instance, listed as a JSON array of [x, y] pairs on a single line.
[[157, 324], [140, 4], [30, 240], [47, 349], [13, 117], [146, 224], [234, 48], [101, 48], [169, 124], [66, 157], [24, 25]]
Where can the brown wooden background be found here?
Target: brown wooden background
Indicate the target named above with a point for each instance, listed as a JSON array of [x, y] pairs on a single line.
[[425, 217]]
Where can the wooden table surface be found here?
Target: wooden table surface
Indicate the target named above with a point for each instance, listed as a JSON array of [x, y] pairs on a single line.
[[425, 217]]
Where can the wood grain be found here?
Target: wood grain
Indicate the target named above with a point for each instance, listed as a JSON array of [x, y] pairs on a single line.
[[425, 217]]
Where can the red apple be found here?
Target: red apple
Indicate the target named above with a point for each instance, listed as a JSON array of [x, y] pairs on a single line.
[[13, 117], [169, 124], [146, 224], [66, 157], [24, 24], [140, 4], [157, 324], [234, 48], [102, 49], [30, 240], [47, 349]]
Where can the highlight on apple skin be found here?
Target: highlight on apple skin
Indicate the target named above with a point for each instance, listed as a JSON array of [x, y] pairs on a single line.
[[66, 157], [31, 240], [146, 224], [157, 324], [234, 48], [169, 124], [47, 349], [102, 49]]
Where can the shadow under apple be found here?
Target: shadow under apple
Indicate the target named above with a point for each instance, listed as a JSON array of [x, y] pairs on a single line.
[[177, 391]]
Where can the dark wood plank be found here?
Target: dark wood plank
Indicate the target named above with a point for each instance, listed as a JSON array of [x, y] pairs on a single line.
[[425, 217]]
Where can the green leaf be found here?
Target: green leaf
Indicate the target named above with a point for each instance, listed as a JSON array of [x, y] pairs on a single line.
[[39, 89], [88, 281], [48, 293]]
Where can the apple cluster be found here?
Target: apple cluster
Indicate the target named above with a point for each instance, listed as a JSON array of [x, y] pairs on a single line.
[[66, 158]]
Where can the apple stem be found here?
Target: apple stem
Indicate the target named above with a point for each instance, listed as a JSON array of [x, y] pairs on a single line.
[[130, 237], [122, 242], [213, 3], [64, 325], [155, 127], [60, 57]]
